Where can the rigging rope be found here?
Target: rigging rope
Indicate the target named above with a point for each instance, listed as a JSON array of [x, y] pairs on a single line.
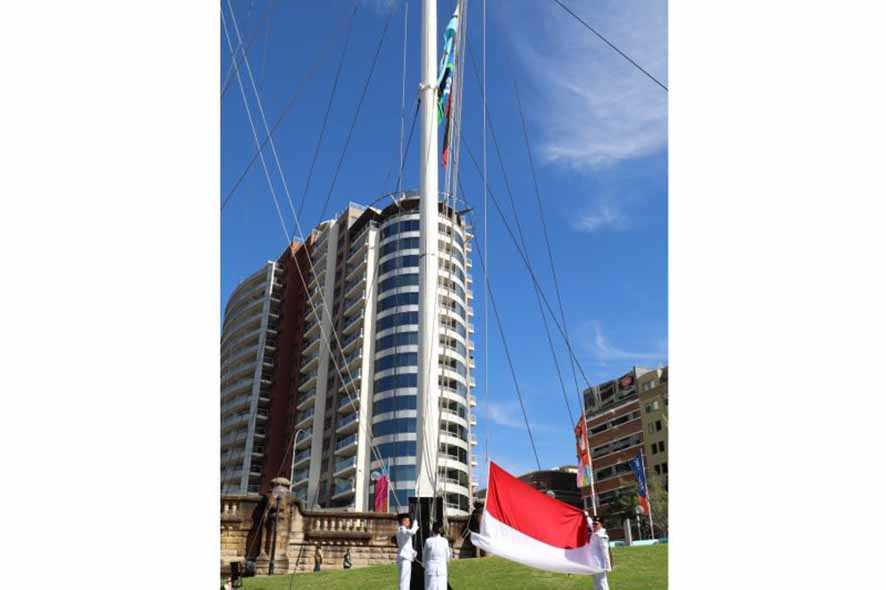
[[544, 226], [252, 37], [356, 113], [529, 269], [289, 104], [610, 44], [332, 356], [341, 62], [507, 352]]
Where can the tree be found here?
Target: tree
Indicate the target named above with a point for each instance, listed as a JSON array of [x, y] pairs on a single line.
[[622, 505], [658, 500]]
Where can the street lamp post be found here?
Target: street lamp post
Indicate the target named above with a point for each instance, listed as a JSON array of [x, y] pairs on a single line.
[[281, 487]]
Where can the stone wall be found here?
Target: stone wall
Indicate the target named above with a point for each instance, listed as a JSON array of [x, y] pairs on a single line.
[[246, 534]]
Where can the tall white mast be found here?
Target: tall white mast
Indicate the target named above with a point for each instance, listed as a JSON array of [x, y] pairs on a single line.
[[428, 388]]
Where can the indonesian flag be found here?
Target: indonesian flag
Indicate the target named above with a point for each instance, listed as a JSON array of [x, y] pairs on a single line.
[[524, 525]]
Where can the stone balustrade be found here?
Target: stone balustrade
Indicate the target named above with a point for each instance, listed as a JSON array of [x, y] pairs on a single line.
[[246, 530]]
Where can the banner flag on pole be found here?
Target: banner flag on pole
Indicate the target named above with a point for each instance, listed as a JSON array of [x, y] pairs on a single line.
[[381, 492], [640, 473], [585, 473], [525, 525]]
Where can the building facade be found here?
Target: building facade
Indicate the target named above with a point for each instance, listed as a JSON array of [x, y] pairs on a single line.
[[247, 364], [351, 370], [624, 419], [653, 398]]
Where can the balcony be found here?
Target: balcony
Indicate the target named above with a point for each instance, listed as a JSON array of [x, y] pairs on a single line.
[[312, 327], [318, 277], [306, 437], [345, 466], [348, 423], [473, 441], [308, 382], [233, 438], [235, 421], [238, 403], [351, 305], [303, 419], [352, 323], [349, 404], [311, 345], [306, 400], [473, 420], [309, 363], [352, 384], [348, 344], [300, 477], [352, 361], [346, 446], [301, 458], [351, 288], [358, 267], [356, 249], [343, 489], [472, 401]]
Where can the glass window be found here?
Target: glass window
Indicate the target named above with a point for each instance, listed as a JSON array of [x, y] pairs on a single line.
[[405, 359], [398, 299], [404, 448], [410, 279], [410, 261], [394, 340], [396, 382], [395, 404], [395, 426], [398, 319]]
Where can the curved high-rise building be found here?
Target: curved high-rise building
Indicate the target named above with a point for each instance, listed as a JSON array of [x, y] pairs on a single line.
[[248, 346], [353, 393]]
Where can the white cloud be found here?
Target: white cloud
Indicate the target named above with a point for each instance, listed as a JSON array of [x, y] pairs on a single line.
[[603, 214], [509, 415], [593, 107], [603, 350]]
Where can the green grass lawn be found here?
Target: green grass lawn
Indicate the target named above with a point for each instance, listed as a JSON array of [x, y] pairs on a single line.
[[636, 568]]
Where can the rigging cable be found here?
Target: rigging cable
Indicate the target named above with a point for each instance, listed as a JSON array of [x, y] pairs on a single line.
[[403, 95], [529, 269], [507, 352], [356, 114], [610, 44], [544, 226], [289, 104], [341, 62], [229, 76], [544, 318], [485, 256], [332, 356]]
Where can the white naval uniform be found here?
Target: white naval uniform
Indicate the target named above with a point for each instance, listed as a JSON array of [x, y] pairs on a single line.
[[405, 554], [436, 554], [600, 553]]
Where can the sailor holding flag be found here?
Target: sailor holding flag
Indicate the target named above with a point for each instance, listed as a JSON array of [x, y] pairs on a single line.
[[405, 552]]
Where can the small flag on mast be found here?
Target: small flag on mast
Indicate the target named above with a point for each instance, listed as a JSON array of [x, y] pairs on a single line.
[[444, 83], [640, 473], [585, 473]]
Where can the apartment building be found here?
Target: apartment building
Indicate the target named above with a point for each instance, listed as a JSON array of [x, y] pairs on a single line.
[[247, 362], [653, 397], [351, 368]]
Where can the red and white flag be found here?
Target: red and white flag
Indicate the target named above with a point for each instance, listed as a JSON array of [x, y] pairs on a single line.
[[524, 525]]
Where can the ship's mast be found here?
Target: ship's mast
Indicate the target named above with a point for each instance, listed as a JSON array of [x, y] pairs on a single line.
[[428, 388]]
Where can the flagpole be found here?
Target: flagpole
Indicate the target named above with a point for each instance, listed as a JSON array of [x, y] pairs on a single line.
[[587, 433], [648, 495]]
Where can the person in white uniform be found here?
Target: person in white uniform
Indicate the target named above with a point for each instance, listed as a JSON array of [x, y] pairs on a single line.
[[405, 552], [436, 555], [600, 553]]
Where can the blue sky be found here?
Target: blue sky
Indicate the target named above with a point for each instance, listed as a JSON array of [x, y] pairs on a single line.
[[599, 137]]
